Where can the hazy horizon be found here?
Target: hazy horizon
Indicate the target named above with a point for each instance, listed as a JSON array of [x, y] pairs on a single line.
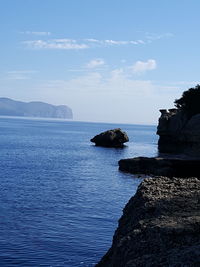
[[109, 61]]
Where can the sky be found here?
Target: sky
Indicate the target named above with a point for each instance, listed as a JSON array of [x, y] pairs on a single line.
[[114, 61]]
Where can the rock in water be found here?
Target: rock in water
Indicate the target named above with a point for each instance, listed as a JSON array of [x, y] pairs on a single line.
[[160, 226], [111, 138]]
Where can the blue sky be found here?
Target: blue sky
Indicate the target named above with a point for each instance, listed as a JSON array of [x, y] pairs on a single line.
[[110, 61]]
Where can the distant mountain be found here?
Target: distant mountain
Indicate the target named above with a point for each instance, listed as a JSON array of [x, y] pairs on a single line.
[[9, 107]]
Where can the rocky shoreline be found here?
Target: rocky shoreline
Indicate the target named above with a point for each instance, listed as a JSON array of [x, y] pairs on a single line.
[[160, 226], [170, 167]]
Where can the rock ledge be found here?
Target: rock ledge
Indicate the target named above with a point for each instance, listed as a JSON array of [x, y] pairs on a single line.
[[159, 166], [160, 226]]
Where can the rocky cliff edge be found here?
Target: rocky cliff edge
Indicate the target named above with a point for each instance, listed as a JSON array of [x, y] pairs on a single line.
[[179, 133], [160, 226]]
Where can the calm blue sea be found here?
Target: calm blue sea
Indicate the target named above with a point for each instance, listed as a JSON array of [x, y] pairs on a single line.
[[60, 196]]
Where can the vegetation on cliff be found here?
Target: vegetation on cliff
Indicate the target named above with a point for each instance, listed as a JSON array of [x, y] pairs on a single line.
[[190, 101]]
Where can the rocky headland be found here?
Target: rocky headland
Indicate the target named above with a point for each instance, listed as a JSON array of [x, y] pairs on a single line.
[[9, 107], [160, 226]]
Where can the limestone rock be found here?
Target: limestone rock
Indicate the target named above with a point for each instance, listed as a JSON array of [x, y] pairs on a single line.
[[160, 226], [111, 138], [179, 133], [169, 167]]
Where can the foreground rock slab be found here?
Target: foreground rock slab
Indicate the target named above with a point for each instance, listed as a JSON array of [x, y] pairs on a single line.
[[111, 138], [160, 226], [161, 166]]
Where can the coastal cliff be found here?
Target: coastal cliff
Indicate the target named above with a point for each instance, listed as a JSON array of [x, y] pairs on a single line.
[[9, 107], [179, 133], [179, 128], [160, 226]]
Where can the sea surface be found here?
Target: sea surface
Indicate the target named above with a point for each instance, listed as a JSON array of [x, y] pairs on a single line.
[[60, 195]]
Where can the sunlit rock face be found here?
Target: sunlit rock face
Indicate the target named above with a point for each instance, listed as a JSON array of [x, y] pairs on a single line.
[[179, 133]]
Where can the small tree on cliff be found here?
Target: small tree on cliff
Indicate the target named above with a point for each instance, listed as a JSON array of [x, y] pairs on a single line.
[[190, 101]]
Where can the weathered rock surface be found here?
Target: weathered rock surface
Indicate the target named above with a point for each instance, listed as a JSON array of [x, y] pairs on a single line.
[[160, 226], [9, 107], [161, 166], [111, 138], [179, 133]]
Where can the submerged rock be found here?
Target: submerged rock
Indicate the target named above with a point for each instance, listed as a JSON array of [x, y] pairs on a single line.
[[111, 138], [160, 226], [161, 166]]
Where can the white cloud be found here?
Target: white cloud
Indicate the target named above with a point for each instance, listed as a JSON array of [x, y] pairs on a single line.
[[110, 42], [117, 73], [95, 63], [186, 83], [19, 74], [113, 42], [77, 70], [65, 44], [36, 33], [154, 36], [109, 97], [149, 37], [143, 66], [92, 40], [112, 98]]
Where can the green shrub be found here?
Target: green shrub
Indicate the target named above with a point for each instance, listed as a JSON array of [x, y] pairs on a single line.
[[190, 101]]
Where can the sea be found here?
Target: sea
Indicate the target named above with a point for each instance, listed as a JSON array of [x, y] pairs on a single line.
[[60, 195]]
